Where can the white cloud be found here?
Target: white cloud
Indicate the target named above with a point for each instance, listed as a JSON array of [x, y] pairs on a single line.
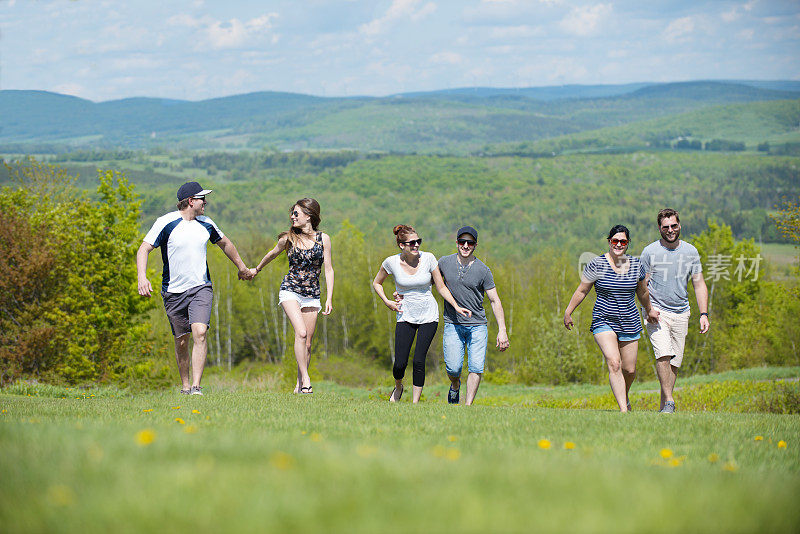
[[585, 20], [70, 89], [679, 29], [398, 10], [730, 16], [235, 33], [447, 58], [746, 34]]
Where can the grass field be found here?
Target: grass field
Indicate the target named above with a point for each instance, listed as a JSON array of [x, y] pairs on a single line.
[[243, 458]]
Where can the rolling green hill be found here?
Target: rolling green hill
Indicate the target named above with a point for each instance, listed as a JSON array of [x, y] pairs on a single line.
[[457, 121]]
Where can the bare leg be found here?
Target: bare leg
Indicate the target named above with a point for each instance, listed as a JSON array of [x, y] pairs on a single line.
[[310, 320], [292, 309], [628, 350], [473, 381], [182, 357], [667, 374], [416, 393], [607, 341], [199, 351]]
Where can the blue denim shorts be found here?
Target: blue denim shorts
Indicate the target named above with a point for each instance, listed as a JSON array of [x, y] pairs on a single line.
[[621, 337], [456, 338]]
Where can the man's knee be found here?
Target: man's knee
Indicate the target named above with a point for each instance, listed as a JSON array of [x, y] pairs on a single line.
[[199, 331]]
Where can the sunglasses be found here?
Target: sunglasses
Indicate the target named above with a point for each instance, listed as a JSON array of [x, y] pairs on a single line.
[[622, 242], [671, 227], [199, 198], [469, 242], [294, 213], [413, 242]]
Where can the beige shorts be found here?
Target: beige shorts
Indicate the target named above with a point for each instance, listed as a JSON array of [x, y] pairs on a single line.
[[668, 336]]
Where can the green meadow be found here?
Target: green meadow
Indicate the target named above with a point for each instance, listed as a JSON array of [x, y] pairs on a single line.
[[248, 456]]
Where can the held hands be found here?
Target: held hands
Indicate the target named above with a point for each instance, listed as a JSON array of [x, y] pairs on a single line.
[[652, 315], [247, 274]]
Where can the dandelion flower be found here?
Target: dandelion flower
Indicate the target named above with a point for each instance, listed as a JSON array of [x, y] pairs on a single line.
[[179, 421], [438, 451], [569, 445], [444, 417], [675, 462], [147, 410], [666, 453], [302, 432], [281, 460], [452, 454], [145, 437], [315, 437], [713, 457], [176, 407], [544, 443], [451, 438], [759, 438], [190, 429], [731, 466], [4, 411], [195, 411], [781, 444]]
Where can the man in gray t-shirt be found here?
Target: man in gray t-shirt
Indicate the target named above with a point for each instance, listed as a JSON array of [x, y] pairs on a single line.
[[670, 263], [468, 279]]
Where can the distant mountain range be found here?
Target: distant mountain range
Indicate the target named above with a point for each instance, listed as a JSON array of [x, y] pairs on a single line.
[[452, 120]]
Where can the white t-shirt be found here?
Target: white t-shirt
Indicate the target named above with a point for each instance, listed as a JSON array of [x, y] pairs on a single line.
[[418, 305], [183, 250]]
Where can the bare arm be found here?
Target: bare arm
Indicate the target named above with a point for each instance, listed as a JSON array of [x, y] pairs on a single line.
[[229, 249], [644, 297], [701, 292], [500, 317], [436, 274], [279, 247], [377, 286], [327, 263], [145, 289], [577, 297]]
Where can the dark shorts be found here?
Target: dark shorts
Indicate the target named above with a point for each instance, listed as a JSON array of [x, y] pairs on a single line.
[[192, 306]]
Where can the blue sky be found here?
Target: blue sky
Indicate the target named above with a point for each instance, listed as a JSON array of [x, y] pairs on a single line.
[[195, 49]]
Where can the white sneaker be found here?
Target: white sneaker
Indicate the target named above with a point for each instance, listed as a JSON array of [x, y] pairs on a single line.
[[196, 390]]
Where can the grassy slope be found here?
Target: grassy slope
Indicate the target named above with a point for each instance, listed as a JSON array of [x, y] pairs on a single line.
[[258, 461]]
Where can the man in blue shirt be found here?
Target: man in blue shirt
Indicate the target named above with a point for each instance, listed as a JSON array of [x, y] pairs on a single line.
[[186, 283], [670, 263]]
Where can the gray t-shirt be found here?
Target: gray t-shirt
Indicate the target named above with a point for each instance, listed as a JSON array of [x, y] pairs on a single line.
[[467, 284], [670, 271]]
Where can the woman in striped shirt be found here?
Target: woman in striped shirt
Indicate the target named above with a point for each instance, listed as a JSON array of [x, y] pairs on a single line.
[[616, 325]]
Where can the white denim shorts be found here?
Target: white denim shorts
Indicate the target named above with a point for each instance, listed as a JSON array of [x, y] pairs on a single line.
[[668, 336], [305, 302]]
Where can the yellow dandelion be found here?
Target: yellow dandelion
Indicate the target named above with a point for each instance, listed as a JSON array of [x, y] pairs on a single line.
[[176, 407], [544, 444], [675, 462], [759, 438], [451, 438], [61, 495], [533, 419], [666, 453], [147, 410], [781, 444], [713, 457], [92, 395], [281, 460], [4, 411], [730, 466], [569, 445], [195, 411], [315, 437], [452, 454], [303, 432], [145, 437], [190, 429], [365, 451], [208, 418], [180, 421], [444, 417], [438, 451]]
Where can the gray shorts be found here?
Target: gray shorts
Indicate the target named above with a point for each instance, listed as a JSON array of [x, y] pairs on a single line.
[[191, 306]]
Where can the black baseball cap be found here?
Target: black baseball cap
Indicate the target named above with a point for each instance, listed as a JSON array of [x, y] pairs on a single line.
[[467, 230], [192, 189]]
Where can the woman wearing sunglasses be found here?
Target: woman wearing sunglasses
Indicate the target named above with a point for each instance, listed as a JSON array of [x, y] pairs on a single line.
[[616, 324], [307, 250], [418, 313]]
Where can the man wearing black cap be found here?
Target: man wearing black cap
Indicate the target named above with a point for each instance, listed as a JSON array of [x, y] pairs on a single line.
[[186, 283], [468, 279]]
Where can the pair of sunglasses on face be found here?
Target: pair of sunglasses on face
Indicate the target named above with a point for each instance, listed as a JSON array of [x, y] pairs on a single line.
[[469, 242], [621, 242], [413, 242]]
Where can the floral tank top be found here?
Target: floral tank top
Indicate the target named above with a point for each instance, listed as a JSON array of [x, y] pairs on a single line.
[[304, 268]]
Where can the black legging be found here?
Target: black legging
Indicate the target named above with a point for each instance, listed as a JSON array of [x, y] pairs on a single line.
[[403, 337]]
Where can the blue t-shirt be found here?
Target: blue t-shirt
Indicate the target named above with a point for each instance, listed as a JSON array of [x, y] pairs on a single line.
[[670, 270], [616, 295]]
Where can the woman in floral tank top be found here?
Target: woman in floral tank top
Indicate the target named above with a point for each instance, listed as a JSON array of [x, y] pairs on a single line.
[[308, 251]]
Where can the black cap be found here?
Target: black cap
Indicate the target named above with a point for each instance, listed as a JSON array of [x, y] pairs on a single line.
[[467, 230], [192, 189]]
